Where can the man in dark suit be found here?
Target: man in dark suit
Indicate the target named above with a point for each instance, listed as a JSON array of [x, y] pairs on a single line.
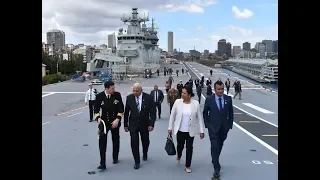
[[180, 87], [209, 82], [199, 91], [209, 90], [139, 117], [218, 118], [111, 105], [157, 96]]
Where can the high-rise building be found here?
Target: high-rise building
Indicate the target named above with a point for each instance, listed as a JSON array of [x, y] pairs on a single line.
[[112, 42], [257, 46], [57, 39], [275, 46], [170, 42], [222, 47], [269, 45], [236, 50], [228, 49], [262, 50], [246, 46]]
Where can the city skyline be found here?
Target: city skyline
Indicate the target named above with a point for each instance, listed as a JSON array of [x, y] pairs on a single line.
[[249, 21]]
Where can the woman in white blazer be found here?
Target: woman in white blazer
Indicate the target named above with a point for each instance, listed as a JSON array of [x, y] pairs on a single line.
[[186, 122]]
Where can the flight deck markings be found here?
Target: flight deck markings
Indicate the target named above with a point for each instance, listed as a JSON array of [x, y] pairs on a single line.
[[244, 130], [258, 108], [270, 135], [249, 121], [74, 114], [71, 111], [45, 123], [48, 94]]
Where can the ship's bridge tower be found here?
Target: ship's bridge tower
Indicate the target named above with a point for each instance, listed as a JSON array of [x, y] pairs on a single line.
[[135, 21], [153, 34]]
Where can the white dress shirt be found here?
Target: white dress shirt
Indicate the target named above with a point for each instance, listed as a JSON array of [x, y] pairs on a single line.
[[90, 95], [156, 96], [107, 95], [140, 100]]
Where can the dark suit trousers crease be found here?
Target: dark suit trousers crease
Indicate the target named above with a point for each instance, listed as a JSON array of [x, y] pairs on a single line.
[[115, 145], [228, 88], [158, 106], [91, 108], [217, 139], [144, 135], [182, 138]]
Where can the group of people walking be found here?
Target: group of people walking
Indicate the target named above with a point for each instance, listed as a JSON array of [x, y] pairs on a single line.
[[139, 112], [187, 120]]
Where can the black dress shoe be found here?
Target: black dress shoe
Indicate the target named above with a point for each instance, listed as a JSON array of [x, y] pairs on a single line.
[[159, 117], [102, 167], [90, 121], [115, 161], [136, 166], [145, 157], [216, 174]]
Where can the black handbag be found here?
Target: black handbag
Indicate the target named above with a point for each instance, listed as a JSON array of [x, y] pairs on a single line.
[[170, 148]]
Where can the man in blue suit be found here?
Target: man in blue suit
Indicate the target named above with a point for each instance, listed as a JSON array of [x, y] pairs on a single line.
[[218, 118]]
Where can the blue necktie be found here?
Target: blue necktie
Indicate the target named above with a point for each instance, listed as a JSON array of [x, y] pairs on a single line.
[[137, 103], [220, 104]]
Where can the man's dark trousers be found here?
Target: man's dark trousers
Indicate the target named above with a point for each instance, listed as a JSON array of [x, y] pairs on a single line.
[[228, 88], [217, 139], [144, 135], [115, 145], [158, 106], [91, 108]]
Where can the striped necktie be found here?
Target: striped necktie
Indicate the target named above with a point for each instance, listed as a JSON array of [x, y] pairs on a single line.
[[138, 105]]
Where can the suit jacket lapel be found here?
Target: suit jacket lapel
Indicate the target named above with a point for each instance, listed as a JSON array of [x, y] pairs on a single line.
[[142, 102], [135, 103], [225, 102], [214, 103]]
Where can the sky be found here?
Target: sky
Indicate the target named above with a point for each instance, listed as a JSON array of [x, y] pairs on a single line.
[[195, 24]]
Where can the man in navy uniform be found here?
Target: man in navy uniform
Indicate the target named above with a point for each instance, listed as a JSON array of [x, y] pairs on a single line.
[[110, 102]]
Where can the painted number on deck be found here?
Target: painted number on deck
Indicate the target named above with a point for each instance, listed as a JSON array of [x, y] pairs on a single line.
[[262, 162]]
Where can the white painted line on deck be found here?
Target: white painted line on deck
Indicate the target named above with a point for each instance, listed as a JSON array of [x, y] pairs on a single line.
[[45, 123], [255, 116], [249, 121], [74, 114], [200, 74], [257, 139], [49, 93], [258, 108]]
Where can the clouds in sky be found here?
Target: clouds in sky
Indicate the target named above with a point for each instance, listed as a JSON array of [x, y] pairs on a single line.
[[90, 21]]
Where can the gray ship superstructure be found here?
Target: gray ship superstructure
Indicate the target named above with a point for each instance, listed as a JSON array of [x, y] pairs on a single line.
[[137, 48]]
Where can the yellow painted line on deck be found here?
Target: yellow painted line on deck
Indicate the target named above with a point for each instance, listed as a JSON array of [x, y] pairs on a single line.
[[270, 135], [71, 111], [249, 121]]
